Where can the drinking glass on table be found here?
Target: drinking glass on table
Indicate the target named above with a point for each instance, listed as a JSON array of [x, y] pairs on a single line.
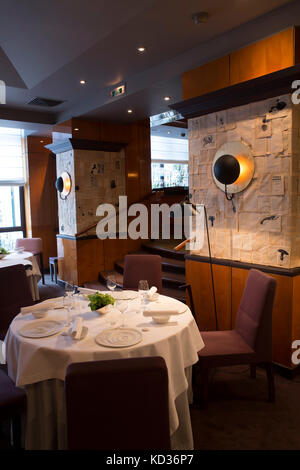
[[121, 305], [143, 288], [68, 301], [111, 283]]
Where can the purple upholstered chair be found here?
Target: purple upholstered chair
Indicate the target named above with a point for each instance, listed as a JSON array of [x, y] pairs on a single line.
[[142, 267], [34, 246], [251, 340], [12, 404], [118, 404], [14, 294]]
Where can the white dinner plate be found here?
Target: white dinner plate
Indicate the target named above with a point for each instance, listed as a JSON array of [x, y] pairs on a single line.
[[41, 329], [119, 337], [124, 294]]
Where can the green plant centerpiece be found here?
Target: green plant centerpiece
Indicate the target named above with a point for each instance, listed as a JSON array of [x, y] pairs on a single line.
[[3, 252], [98, 301]]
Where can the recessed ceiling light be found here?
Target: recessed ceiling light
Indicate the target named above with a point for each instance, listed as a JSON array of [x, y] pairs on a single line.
[[129, 111], [82, 82], [167, 98], [141, 49], [76, 129]]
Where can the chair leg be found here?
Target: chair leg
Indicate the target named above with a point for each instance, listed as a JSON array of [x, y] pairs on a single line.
[[16, 439], [253, 371], [51, 271], [42, 268], [204, 388], [55, 272], [271, 383]]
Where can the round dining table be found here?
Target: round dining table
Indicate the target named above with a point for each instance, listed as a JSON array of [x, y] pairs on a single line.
[[39, 364]]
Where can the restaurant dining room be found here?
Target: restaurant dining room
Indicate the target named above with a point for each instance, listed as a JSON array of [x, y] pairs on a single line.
[[149, 228]]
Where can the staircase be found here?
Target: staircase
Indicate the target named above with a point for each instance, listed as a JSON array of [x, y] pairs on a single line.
[[173, 268]]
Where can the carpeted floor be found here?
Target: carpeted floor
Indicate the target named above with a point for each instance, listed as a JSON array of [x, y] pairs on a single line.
[[238, 416]]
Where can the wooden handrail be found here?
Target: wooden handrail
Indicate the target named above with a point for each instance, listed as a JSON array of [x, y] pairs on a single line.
[[156, 195]]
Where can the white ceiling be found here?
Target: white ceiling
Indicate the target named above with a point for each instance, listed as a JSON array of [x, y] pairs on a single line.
[[48, 47]]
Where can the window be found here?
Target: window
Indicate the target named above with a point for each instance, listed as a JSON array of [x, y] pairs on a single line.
[[12, 180], [169, 157]]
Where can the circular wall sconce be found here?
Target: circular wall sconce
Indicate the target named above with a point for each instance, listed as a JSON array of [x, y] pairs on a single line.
[[63, 185], [233, 168]]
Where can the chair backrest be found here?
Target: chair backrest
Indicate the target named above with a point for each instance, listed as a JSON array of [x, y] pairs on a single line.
[[142, 267], [254, 318], [33, 245], [118, 404], [14, 294]]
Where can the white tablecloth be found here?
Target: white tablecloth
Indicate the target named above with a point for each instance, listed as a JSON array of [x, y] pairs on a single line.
[[39, 361], [28, 259]]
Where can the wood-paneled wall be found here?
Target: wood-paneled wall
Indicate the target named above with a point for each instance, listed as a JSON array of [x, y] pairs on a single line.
[[229, 286], [276, 52], [42, 195]]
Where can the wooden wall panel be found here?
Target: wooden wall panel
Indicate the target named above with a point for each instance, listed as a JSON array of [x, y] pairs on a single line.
[[42, 195], [90, 259], [206, 78], [67, 260], [263, 57], [296, 309], [199, 276]]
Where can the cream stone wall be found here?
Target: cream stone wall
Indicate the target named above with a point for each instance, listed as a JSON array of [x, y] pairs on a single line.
[[97, 177], [247, 234]]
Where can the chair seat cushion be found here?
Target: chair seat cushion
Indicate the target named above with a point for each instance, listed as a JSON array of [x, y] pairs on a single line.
[[12, 399], [225, 348]]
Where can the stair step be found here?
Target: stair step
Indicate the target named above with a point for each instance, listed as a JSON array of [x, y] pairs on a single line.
[[168, 264], [165, 250]]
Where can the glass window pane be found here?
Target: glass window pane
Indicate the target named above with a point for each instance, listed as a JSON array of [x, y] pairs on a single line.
[[8, 239], [166, 175], [10, 211]]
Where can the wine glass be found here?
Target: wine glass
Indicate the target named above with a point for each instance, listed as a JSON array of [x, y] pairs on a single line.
[[143, 288], [122, 307], [111, 283], [68, 301]]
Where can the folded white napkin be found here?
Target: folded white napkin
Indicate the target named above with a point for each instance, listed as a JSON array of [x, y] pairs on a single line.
[[162, 310], [46, 304], [151, 292], [77, 328]]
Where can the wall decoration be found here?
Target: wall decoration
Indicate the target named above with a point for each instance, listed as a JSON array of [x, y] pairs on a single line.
[[274, 189]]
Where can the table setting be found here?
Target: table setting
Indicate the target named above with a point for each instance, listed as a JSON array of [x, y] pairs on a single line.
[[52, 334]]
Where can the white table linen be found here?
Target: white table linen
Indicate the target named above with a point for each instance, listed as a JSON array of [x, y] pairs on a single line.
[[27, 259], [32, 362]]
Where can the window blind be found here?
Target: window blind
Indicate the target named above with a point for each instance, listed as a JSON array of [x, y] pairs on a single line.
[[11, 156]]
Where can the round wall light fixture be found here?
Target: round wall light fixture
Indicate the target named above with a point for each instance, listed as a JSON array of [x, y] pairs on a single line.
[[233, 167], [63, 185]]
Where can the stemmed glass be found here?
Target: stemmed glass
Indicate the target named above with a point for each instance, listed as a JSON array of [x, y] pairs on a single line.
[[143, 288], [122, 307], [111, 283], [68, 301]]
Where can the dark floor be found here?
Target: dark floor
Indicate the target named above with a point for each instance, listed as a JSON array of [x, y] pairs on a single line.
[[238, 415]]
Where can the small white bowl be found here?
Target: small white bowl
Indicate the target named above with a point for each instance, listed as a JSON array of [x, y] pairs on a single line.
[[161, 319], [105, 309]]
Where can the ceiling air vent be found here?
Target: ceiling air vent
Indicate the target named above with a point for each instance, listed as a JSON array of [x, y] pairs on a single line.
[[44, 102]]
